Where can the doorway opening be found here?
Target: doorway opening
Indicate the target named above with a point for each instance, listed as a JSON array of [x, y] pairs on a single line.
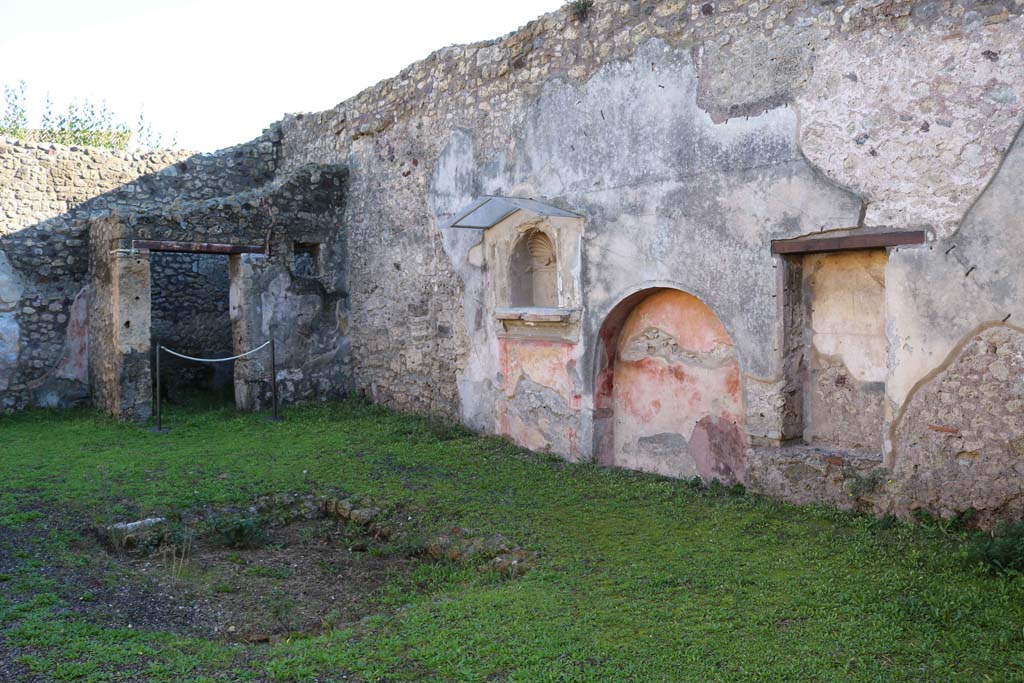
[[190, 314], [836, 350]]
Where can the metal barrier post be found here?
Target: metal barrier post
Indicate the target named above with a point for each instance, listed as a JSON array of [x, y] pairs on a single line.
[[159, 414], [273, 376]]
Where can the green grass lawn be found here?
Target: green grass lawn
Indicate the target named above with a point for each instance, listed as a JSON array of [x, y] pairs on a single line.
[[638, 578]]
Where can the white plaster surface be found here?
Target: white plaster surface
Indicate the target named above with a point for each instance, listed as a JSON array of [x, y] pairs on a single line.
[[848, 311], [10, 335], [938, 294], [10, 284]]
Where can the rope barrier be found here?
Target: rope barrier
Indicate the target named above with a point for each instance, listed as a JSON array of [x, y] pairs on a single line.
[[215, 360], [273, 374]]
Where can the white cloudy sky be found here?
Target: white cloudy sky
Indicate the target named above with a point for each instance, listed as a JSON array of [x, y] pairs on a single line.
[[216, 72]]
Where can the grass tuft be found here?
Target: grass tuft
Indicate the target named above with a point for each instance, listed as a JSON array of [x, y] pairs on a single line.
[[1000, 552]]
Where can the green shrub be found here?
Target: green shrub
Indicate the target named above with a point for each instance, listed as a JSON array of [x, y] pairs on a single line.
[[239, 532], [580, 9], [82, 123], [961, 521], [884, 523], [860, 485], [1000, 551]]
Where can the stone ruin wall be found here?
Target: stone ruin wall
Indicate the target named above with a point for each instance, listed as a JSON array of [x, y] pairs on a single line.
[[294, 289], [910, 104], [298, 293], [66, 209], [46, 193], [911, 107], [874, 114], [48, 196]]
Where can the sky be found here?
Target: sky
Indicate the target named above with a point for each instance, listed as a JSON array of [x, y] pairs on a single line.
[[216, 73]]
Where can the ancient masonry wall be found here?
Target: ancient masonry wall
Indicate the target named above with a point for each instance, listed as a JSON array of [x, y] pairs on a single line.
[[293, 288], [44, 263], [48, 195], [689, 135], [910, 104]]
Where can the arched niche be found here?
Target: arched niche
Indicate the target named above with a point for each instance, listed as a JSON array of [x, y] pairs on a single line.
[[668, 396], [530, 266], [533, 271]]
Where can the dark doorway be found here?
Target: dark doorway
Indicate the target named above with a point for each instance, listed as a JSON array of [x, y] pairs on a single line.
[[190, 315]]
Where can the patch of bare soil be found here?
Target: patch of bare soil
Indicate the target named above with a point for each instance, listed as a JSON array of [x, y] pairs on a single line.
[[309, 576], [287, 564]]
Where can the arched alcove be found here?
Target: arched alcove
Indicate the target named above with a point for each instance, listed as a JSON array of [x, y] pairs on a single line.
[[667, 394], [534, 271]]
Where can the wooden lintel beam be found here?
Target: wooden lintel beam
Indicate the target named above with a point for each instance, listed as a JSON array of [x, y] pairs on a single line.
[[197, 247], [875, 240]]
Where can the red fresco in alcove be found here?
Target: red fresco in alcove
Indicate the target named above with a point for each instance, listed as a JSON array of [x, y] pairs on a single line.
[[682, 378]]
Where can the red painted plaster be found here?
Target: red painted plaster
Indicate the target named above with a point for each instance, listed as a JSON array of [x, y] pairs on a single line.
[[672, 381], [548, 364]]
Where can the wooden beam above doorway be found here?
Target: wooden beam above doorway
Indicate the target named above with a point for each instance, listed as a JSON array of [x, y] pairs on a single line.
[[875, 240], [197, 247]]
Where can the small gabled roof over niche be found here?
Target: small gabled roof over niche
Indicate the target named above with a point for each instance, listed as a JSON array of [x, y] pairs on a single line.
[[489, 210]]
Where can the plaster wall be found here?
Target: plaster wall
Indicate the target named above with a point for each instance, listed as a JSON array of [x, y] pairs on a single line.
[[676, 400], [119, 326], [671, 199], [848, 358], [528, 358], [689, 135], [308, 319]]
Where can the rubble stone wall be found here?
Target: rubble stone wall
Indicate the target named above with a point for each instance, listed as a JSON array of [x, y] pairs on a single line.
[[959, 443], [689, 135], [306, 312], [680, 130], [189, 304], [48, 195]]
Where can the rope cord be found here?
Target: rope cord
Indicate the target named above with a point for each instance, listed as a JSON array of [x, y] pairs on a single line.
[[215, 360]]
